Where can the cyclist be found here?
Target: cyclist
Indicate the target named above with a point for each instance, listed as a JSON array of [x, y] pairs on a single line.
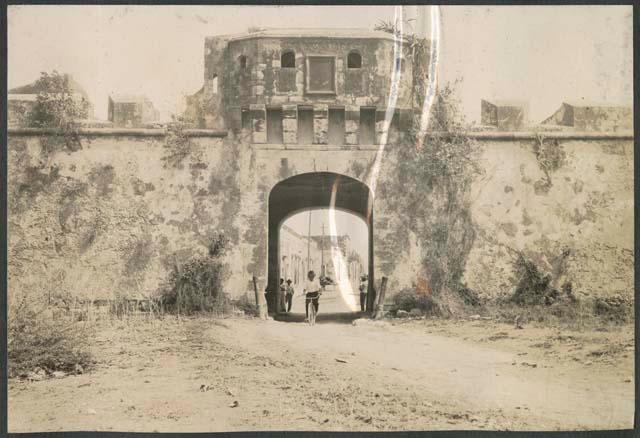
[[312, 290]]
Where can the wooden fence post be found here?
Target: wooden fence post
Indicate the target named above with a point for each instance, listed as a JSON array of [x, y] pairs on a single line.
[[379, 313]]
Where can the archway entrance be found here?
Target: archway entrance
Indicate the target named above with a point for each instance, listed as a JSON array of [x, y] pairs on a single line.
[[309, 191]]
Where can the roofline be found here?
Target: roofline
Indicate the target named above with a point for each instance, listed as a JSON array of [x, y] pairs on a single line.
[[331, 34]]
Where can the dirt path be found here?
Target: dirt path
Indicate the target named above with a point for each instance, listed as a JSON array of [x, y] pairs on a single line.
[[337, 376]]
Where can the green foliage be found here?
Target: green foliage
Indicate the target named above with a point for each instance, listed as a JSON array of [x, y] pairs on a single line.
[[41, 336], [56, 105], [536, 287], [429, 189], [417, 50], [550, 156], [196, 285], [246, 304], [178, 144], [408, 299], [615, 308]]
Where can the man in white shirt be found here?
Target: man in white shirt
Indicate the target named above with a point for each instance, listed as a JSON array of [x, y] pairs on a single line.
[[364, 286], [312, 290]]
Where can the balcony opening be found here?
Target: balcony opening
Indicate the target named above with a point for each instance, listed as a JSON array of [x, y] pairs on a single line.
[[336, 126], [305, 125], [367, 129], [274, 126]]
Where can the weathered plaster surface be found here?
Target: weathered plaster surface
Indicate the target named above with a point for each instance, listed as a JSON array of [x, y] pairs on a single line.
[[110, 218], [588, 209]]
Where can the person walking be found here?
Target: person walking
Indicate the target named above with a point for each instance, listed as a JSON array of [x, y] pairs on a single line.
[[289, 295], [364, 287], [281, 295]]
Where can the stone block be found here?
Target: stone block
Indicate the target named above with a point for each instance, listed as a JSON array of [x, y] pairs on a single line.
[[290, 130], [290, 111], [259, 137], [320, 128], [351, 138], [363, 101], [290, 137]]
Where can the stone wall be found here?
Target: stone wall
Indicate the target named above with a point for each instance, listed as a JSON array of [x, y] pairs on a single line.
[[111, 218], [582, 203]]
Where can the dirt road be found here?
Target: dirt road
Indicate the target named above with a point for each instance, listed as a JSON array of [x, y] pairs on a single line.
[[245, 374]]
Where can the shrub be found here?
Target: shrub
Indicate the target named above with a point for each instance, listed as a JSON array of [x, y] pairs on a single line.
[[615, 308], [533, 286], [469, 296], [408, 299], [246, 304], [46, 337], [196, 285]]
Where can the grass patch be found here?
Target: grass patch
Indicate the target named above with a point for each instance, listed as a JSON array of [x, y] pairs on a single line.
[[45, 337]]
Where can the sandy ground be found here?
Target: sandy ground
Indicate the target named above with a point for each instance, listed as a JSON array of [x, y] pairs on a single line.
[[345, 373]]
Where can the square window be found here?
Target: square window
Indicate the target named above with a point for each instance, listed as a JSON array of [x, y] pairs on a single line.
[[321, 77]]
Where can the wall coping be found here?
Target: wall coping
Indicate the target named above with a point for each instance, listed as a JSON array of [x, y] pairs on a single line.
[[485, 135], [134, 132], [559, 135]]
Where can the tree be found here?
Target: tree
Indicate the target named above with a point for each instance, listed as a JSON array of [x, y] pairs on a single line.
[[56, 104], [429, 182]]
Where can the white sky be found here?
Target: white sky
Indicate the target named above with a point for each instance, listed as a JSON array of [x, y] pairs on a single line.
[[345, 223], [543, 54]]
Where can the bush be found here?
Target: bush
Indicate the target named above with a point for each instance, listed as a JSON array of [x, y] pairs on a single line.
[[246, 304], [534, 286], [615, 308], [196, 285], [408, 299], [45, 337]]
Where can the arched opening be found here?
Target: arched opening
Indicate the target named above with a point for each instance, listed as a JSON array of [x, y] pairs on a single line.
[[338, 196], [288, 59], [242, 61], [354, 60], [332, 243]]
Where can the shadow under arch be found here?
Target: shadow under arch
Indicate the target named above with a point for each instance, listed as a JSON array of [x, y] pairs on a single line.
[[309, 191]]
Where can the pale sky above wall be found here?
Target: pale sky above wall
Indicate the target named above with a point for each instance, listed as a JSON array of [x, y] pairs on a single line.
[[543, 54]]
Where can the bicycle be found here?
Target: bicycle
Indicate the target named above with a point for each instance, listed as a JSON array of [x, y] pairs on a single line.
[[312, 308]]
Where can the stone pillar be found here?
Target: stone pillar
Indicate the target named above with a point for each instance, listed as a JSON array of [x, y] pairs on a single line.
[[258, 88], [320, 123], [290, 124], [351, 124], [258, 123]]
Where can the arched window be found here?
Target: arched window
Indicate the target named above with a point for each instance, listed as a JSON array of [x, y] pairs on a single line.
[[288, 59], [242, 60], [354, 60]]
